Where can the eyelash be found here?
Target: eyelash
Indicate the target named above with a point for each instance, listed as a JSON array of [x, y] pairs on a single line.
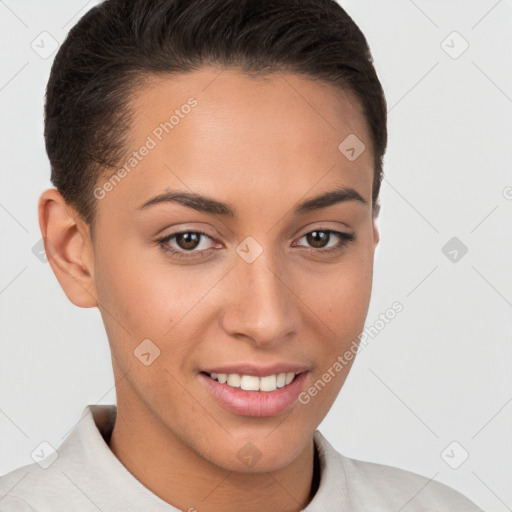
[[345, 239]]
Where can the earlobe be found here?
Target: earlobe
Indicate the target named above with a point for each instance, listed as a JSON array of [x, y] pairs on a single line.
[[68, 248], [376, 234]]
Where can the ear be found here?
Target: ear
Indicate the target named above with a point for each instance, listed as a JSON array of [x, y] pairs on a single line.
[[376, 234], [68, 248]]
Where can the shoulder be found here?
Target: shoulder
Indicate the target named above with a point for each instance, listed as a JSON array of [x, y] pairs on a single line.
[[13, 486], [404, 489], [11, 504], [33, 488], [382, 488]]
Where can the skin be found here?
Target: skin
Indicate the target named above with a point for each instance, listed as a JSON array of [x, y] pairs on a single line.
[[262, 145]]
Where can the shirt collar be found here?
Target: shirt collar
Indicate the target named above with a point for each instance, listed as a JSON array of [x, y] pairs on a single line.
[[100, 473]]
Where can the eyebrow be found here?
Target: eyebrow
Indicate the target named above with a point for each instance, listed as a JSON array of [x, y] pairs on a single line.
[[208, 205]]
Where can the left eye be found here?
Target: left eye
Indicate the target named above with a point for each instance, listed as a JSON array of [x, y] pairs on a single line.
[[319, 238]]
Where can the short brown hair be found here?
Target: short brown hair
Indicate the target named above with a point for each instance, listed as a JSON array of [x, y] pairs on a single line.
[[119, 42]]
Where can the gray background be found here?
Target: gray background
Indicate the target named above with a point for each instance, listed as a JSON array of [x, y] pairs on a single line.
[[439, 373]]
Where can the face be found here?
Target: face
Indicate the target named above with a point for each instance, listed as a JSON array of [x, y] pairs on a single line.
[[245, 277]]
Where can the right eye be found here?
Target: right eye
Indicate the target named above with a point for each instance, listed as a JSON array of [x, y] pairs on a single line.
[[185, 244]]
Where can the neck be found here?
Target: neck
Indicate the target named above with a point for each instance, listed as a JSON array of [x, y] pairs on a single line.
[[180, 476]]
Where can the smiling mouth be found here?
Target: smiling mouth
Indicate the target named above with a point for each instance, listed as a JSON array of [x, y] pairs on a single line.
[[266, 384]]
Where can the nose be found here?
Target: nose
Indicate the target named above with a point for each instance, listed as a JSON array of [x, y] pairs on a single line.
[[262, 306]]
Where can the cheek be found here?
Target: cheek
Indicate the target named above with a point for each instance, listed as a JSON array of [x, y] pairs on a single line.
[[144, 296], [340, 295], [339, 302], [339, 305], [144, 290]]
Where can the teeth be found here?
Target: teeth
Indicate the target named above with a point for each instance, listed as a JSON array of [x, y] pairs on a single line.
[[248, 382], [253, 383], [289, 377], [269, 383], [234, 380]]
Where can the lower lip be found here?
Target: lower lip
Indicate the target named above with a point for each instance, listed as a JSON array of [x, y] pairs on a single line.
[[255, 403]]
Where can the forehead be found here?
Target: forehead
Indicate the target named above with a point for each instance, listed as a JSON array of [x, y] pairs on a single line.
[[225, 133], [277, 101]]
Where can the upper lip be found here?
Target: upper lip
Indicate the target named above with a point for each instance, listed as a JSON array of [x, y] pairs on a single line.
[[258, 370]]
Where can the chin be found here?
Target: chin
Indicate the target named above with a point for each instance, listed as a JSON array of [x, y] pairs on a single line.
[[261, 453]]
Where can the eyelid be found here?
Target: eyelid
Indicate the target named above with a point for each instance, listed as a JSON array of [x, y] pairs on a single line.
[[171, 236], [343, 237]]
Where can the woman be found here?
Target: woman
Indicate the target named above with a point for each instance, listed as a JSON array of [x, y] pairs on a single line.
[[217, 167]]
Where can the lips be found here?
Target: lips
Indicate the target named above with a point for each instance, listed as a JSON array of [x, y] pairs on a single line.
[[257, 371], [249, 390]]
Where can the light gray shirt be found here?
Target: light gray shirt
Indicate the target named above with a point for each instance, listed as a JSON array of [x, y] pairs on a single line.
[[87, 477]]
